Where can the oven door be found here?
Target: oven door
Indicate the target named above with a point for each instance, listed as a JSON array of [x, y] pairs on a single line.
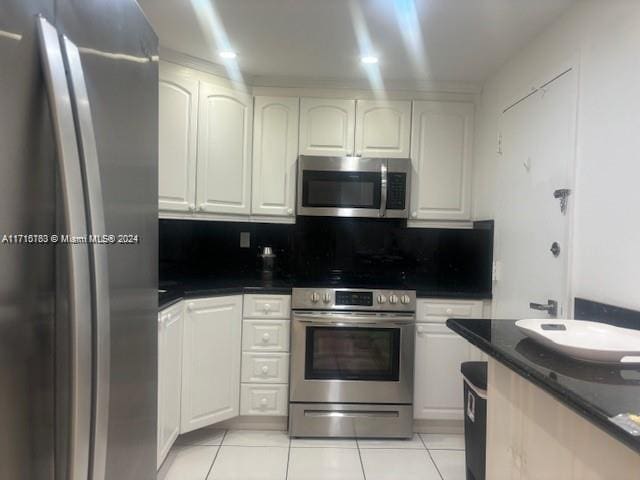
[[341, 186], [352, 358]]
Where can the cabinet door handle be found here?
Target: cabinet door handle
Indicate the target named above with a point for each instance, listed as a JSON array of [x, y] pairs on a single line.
[[289, 211], [421, 330], [190, 307], [414, 214], [265, 337], [263, 402], [267, 307], [449, 311], [265, 369]]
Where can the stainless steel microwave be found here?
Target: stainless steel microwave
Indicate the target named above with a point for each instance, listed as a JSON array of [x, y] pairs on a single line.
[[353, 186]]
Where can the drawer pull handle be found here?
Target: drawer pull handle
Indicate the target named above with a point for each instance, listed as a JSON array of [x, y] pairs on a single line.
[[265, 337], [449, 311], [190, 307], [420, 329], [267, 307], [263, 402], [265, 369]]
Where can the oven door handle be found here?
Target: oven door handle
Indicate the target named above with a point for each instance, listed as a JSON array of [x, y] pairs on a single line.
[[346, 321]]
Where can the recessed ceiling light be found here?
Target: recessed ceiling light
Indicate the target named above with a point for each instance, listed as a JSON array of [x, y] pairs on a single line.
[[369, 59], [228, 54]]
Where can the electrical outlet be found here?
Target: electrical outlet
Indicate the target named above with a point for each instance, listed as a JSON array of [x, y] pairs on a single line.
[[496, 271], [245, 240]]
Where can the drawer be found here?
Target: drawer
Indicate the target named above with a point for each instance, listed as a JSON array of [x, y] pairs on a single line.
[[440, 310], [263, 399], [265, 368], [265, 335], [267, 306]]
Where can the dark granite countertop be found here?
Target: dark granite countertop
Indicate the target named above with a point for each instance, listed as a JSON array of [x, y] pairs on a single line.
[[595, 391], [239, 283]]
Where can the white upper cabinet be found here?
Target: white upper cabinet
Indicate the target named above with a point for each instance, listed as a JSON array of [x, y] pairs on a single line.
[[211, 361], [275, 150], [383, 128], [224, 150], [327, 126], [441, 157], [178, 110]]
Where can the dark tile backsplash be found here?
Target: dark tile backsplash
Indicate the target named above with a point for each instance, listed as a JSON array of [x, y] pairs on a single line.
[[456, 260]]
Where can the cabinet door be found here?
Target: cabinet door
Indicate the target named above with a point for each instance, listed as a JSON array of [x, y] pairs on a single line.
[[275, 150], [383, 128], [178, 107], [438, 382], [224, 151], [211, 361], [327, 126], [441, 142], [169, 379], [161, 442]]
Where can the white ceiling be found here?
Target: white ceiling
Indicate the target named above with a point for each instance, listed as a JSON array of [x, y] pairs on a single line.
[[461, 41]]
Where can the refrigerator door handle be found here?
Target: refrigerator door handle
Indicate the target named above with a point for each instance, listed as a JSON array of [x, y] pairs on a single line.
[[77, 254], [98, 257]]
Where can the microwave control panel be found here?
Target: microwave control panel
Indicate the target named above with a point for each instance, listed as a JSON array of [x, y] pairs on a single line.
[[396, 190]]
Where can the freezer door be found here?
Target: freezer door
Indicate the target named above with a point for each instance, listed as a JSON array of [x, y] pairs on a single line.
[[27, 273], [118, 55]]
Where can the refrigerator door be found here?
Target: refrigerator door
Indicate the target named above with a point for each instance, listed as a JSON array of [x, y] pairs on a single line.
[[118, 56], [27, 273]]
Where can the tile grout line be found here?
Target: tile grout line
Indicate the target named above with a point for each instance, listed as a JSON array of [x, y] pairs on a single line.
[[206, 477], [430, 457], [364, 475], [286, 474]]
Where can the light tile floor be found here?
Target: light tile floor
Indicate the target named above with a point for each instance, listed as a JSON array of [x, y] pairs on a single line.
[[210, 454]]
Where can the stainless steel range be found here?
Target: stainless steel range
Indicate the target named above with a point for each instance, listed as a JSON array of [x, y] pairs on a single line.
[[352, 354]]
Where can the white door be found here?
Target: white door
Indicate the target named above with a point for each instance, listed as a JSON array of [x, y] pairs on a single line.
[[538, 142], [441, 152], [438, 391], [224, 151], [178, 110], [169, 379], [275, 150], [383, 128], [327, 126], [211, 361]]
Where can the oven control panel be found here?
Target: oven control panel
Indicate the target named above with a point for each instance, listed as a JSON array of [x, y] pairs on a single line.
[[353, 299]]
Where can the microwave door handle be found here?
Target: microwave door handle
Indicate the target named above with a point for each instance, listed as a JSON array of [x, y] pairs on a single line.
[[100, 276], [383, 188], [73, 205]]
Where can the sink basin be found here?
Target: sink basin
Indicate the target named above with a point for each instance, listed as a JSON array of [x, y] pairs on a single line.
[[584, 340]]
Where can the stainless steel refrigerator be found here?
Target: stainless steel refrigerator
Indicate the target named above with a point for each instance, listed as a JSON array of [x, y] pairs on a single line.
[[78, 157]]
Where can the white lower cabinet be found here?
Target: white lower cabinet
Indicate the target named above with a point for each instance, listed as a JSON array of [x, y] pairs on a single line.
[[259, 399], [211, 361], [170, 325], [265, 355], [439, 354]]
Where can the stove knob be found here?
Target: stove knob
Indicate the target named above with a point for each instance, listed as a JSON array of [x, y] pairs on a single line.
[[326, 297], [315, 297], [393, 299], [405, 299], [382, 299]]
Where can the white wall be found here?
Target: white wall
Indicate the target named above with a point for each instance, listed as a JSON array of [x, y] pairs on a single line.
[[602, 38]]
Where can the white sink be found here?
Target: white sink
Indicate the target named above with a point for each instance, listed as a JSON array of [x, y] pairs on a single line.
[[590, 341]]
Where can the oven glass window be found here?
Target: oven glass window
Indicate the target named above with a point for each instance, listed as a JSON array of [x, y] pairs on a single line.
[[341, 189], [343, 353]]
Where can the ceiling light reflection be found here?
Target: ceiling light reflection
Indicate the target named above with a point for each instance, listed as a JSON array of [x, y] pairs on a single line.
[[365, 46]]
